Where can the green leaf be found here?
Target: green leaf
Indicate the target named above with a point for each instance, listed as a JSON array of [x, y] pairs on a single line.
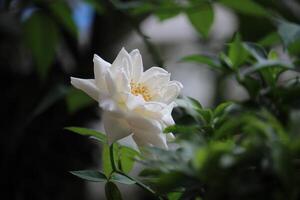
[[180, 129], [212, 62], [88, 132], [174, 195], [237, 53], [41, 36], [269, 40], [257, 51], [90, 175], [167, 9], [106, 162], [112, 192], [126, 158], [63, 13], [77, 100], [120, 178], [289, 32], [201, 18], [248, 7], [221, 108]]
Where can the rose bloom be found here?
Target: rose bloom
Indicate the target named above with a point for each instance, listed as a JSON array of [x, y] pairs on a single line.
[[134, 102]]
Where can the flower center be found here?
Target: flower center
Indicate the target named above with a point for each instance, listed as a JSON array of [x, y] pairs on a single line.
[[139, 89]]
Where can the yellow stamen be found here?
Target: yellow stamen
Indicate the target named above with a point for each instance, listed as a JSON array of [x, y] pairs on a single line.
[[139, 89]]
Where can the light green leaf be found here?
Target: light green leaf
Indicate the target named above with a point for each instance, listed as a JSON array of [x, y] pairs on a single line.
[[126, 158], [120, 178], [41, 36], [248, 7], [112, 192], [237, 53], [90, 175], [201, 18], [88, 132]]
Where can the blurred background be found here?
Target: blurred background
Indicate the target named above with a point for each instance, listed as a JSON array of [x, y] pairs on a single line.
[[44, 42]]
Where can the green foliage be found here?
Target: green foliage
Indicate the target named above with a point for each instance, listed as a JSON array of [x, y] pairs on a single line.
[[248, 7], [88, 132], [90, 175], [201, 18], [112, 192]]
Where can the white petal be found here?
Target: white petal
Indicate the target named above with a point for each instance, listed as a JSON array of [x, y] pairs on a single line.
[[115, 128], [111, 86], [153, 73], [151, 110], [138, 123], [86, 85], [137, 65], [171, 91], [147, 131], [167, 112], [100, 69], [132, 101], [123, 61], [144, 138]]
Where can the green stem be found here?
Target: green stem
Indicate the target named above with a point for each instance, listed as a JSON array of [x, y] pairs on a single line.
[[112, 158], [114, 169]]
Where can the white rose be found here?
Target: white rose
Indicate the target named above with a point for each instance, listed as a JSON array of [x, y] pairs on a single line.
[[133, 102]]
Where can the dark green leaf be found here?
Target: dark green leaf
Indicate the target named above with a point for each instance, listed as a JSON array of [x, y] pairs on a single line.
[[90, 175], [212, 62], [181, 129], [248, 7], [88, 132], [269, 40], [112, 192], [120, 178], [41, 35], [167, 9], [77, 100], [201, 18]]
